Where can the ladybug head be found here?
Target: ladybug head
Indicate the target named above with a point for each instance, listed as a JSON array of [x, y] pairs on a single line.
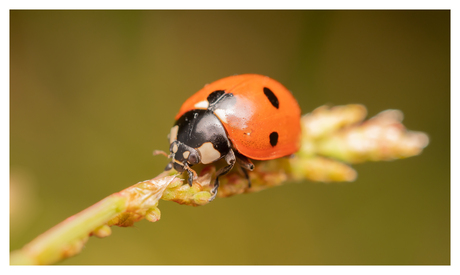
[[183, 156]]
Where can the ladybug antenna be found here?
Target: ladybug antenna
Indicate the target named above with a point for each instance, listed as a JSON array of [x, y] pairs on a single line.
[[159, 152]]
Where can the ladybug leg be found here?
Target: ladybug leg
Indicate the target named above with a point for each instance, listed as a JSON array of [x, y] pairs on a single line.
[[245, 173], [245, 165], [190, 177], [231, 159], [191, 174]]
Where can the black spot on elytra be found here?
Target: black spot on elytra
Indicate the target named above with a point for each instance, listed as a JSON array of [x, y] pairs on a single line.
[[271, 97], [274, 138], [214, 96]]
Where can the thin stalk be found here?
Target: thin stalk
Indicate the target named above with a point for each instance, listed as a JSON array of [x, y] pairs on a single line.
[[332, 139], [69, 236]]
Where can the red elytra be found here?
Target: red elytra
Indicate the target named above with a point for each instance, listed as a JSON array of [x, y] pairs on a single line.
[[263, 124]]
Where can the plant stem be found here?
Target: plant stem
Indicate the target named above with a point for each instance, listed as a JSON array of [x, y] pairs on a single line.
[[68, 237], [328, 135]]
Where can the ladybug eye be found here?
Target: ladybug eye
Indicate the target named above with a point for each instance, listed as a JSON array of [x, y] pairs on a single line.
[[194, 158]]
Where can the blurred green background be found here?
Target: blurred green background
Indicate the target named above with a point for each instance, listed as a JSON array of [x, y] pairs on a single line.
[[93, 93]]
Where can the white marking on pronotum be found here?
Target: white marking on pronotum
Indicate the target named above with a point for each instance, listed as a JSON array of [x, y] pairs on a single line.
[[208, 153], [173, 134], [202, 105], [222, 115], [186, 154], [174, 149]]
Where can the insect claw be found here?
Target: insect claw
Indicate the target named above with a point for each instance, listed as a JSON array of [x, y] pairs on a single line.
[[214, 191]]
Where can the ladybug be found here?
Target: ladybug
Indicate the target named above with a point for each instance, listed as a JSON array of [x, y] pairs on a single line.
[[236, 118]]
